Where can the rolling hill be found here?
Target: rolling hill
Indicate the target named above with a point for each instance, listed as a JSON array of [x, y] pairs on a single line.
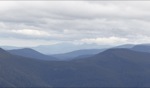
[[17, 71], [27, 52]]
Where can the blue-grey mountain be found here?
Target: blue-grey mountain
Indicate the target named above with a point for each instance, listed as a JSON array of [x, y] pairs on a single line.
[[66, 47], [111, 68], [142, 48], [30, 53], [78, 53]]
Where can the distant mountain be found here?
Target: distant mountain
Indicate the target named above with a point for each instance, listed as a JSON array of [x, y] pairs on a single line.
[[125, 46], [66, 47], [142, 48], [27, 52], [63, 48], [86, 52], [78, 53]]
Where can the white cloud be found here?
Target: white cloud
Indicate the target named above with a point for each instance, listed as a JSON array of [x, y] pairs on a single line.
[[25, 42], [31, 32], [105, 40], [81, 21]]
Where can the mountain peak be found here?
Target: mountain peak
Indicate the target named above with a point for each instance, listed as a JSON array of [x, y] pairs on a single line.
[[142, 48], [3, 51], [30, 53], [116, 50], [26, 49]]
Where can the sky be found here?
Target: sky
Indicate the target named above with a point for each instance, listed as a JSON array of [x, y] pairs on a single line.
[[32, 23]]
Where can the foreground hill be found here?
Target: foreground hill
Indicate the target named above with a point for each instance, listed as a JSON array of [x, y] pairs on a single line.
[[16, 71], [111, 68], [27, 52]]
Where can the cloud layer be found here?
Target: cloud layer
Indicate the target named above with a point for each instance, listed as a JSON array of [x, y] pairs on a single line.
[[100, 22]]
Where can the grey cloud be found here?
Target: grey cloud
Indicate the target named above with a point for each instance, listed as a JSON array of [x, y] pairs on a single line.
[[76, 20]]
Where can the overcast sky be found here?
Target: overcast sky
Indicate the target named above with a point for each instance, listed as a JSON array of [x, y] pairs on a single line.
[[32, 23]]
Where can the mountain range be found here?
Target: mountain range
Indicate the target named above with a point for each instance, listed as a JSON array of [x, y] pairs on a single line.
[[59, 48], [115, 67], [31, 53], [77, 53], [86, 52]]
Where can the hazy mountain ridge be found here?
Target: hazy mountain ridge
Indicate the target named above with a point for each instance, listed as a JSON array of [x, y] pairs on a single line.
[[88, 52], [27, 52], [66, 47], [117, 67], [59, 48], [77, 53], [142, 48]]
